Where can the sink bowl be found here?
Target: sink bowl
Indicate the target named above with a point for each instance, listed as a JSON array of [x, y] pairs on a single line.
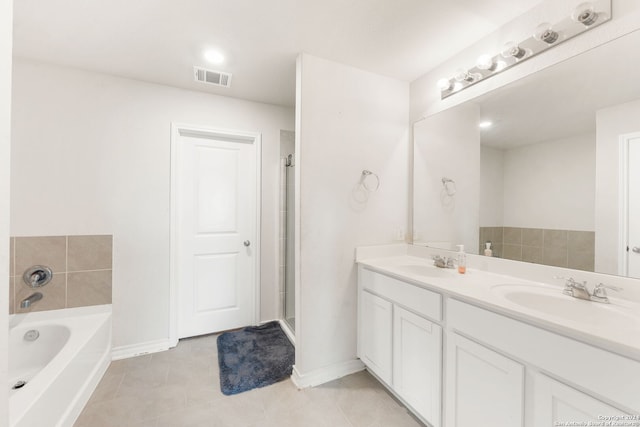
[[551, 301], [424, 270]]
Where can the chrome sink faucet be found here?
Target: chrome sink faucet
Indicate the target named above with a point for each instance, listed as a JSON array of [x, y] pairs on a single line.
[[441, 262], [580, 290]]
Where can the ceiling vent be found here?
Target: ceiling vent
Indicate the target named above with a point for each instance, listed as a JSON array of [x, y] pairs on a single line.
[[212, 77]]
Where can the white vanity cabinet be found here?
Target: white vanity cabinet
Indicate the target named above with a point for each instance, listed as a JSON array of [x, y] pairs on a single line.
[[557, 404], [398, 342], [585, 376], [498, 371], [376, 335], [417, 363], [484, 388]]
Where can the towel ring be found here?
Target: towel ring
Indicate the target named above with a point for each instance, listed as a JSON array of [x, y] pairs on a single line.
[[449, 186], [365, 178]]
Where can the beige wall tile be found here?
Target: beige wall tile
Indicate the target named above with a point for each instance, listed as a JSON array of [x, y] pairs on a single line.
[[50, 251], [497, 235], [532, 254], [513, 252], [497, 250], [582, 260], [555, 239], [555, 256], [89, 253], [532, 237], [88, 288], [54, 294], [512, 235], [583, 241]]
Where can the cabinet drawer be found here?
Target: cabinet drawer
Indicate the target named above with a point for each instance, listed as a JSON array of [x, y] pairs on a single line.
[[415, 298]]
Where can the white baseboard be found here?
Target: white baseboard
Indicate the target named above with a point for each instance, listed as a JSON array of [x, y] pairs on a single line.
[[126, 351], [326, 374]]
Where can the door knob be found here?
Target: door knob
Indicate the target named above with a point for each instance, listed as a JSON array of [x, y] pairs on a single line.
[[247, 243], [636, 249]]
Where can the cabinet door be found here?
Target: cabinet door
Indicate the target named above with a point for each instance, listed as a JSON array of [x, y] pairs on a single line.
[[417, 363], [375, 329], [484, 388], [558, 404]]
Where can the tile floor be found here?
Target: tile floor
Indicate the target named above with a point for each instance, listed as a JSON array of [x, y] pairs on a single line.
[[181, 388]]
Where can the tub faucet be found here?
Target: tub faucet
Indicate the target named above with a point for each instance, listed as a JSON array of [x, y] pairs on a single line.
[[26, 303]]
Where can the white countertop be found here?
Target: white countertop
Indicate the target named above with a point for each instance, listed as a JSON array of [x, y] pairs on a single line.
[[614, 327]]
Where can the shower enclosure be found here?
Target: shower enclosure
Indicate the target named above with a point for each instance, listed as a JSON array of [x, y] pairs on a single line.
[[287, 216]]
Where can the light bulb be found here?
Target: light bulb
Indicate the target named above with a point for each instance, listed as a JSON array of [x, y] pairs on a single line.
[[485, 62], [214, 56], [585, 14], [545, 33], [444, 84], [512, 50]]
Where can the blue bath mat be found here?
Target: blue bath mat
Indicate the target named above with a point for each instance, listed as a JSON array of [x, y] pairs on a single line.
[[254, 357]]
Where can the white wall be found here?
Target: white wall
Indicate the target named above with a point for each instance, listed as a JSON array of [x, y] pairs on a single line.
[[425, 96], [538, 179], [350, 120], [491, 187], [91, 154], [610, 124], [447, 145], [6, 26]]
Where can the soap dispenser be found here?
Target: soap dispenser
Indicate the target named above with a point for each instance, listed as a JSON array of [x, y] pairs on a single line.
[[462, 260], [488, 251]]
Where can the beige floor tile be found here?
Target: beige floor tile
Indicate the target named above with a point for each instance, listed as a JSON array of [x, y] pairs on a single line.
[[181, 388]]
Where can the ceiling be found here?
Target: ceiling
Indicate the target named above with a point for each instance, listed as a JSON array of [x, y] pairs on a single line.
[[161, 40]]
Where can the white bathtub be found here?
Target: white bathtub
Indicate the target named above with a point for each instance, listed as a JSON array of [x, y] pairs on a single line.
[[61, 368]]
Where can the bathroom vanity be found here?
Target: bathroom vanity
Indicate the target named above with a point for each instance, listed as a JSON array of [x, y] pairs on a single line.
[[486, 349]]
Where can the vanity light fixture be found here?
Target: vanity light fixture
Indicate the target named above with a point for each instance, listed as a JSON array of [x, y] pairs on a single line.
[[485, 124], [545, 33], [585, 13], [585, 16], [512, 50]]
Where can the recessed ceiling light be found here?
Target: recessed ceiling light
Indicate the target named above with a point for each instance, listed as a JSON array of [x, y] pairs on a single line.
[[214, 56], [485, 124]]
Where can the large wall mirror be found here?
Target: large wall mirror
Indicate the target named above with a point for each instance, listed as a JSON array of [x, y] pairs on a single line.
[[554, 179]]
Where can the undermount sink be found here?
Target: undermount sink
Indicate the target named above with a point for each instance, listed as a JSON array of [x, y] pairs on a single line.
[[550, 300], [424, 270]]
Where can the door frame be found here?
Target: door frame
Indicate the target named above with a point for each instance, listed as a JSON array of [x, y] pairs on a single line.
[[177, 131], [623, 201]]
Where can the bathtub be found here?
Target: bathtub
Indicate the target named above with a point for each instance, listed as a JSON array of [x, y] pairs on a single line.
[[60, 368]]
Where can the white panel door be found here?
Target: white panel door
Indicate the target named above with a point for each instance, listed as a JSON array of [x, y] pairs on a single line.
[[216, 185], [417, 363], [558, 404], [484, 388], [633, 198], [376, 339]]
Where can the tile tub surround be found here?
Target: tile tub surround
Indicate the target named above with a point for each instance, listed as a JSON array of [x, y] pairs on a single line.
[[81, 267], [558, 248]]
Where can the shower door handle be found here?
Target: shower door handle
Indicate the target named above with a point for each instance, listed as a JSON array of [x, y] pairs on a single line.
[[247, 243]]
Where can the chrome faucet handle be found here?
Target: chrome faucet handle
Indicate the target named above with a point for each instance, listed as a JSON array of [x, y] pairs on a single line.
[[569, 285], [600, 292], [450, 263]]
